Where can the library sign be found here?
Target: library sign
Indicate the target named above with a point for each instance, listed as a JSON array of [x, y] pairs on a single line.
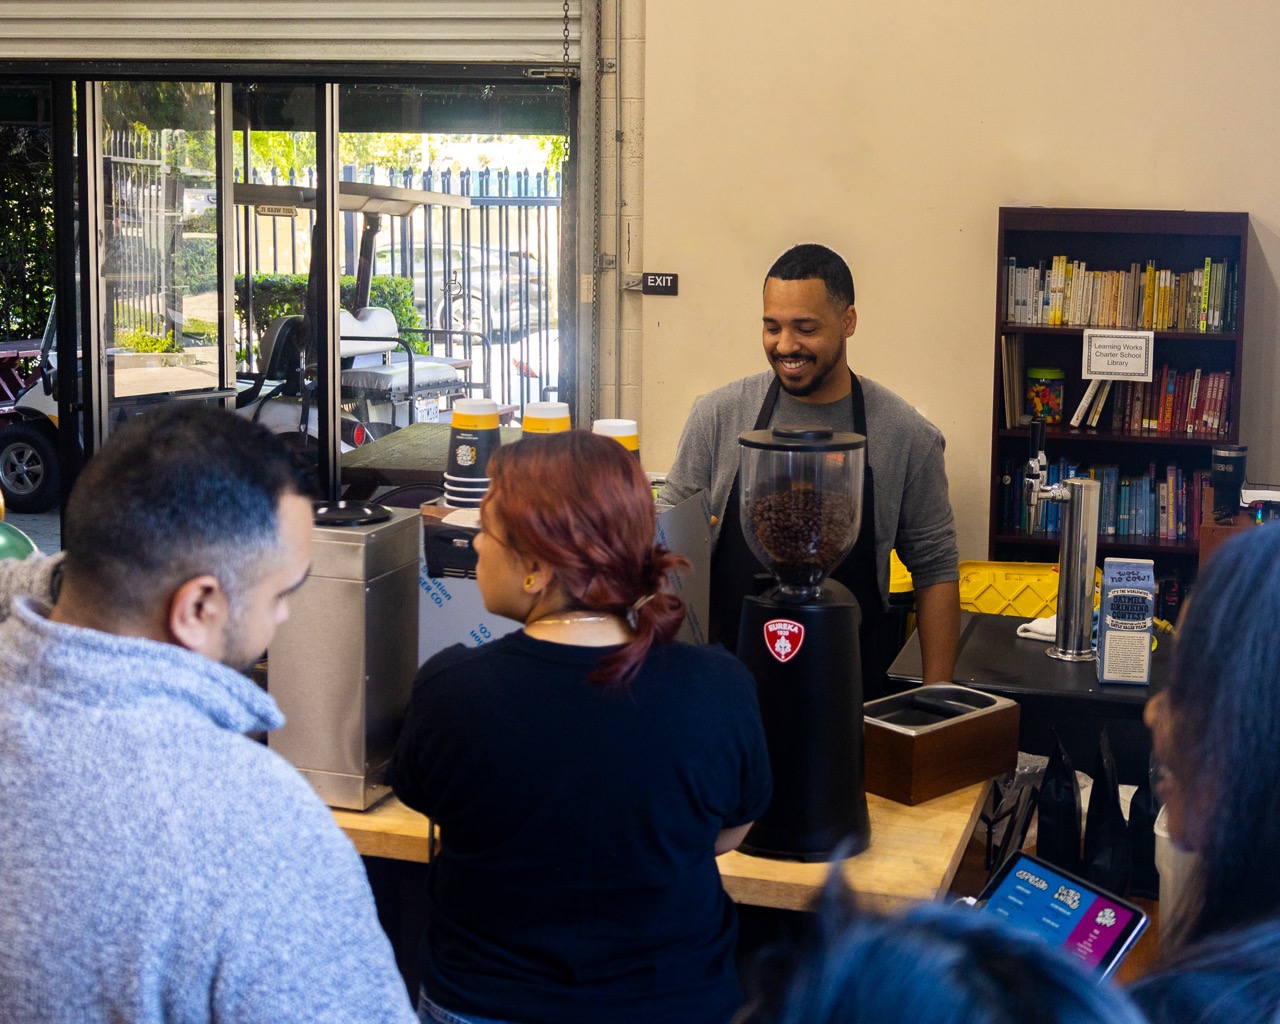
[[1117, 355]]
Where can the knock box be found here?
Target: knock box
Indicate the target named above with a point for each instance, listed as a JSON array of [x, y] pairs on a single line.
[[937, 739]]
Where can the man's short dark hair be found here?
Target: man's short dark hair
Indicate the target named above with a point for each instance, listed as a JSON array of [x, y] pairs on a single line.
[[175, 493], [810, 260]]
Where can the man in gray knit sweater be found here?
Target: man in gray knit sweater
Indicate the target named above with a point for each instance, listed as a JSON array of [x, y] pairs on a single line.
[[809, 316], [157, 865]]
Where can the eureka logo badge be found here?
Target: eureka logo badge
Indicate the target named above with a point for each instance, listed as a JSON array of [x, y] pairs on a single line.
[[783, 638]]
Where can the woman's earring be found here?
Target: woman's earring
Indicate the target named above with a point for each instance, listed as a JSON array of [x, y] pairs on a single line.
[[529, 581]]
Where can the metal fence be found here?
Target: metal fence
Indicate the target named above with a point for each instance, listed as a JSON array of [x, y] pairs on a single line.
[[489, 272], [144, 261]]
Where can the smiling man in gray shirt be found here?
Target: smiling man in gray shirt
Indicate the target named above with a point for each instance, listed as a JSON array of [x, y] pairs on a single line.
[[809, 316]]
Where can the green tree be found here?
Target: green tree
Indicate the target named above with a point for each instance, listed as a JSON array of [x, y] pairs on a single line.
[[26, 230]]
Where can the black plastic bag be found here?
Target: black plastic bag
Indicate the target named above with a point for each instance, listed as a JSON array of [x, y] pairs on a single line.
[[1144, 880], [1058, 832], [1106, 833]]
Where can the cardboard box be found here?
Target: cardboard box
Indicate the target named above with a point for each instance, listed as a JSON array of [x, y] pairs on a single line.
[[936, 739], [1125, 621]]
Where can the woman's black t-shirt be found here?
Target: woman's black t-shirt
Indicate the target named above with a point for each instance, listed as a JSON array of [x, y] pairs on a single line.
[[577, 877]]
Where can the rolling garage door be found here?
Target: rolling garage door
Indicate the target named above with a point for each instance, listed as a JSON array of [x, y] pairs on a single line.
[[354, 31]]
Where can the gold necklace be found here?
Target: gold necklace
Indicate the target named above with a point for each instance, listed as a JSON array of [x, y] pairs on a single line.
[[565, 622]]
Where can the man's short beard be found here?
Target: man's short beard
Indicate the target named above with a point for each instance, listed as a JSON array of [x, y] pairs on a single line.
[[233, 653], [806, 390]]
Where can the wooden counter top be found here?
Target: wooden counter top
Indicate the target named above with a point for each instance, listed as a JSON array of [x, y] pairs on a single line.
[[388, 829], [913, 855]]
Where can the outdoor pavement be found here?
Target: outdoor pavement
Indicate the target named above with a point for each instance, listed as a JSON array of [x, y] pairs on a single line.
[[44, 529]]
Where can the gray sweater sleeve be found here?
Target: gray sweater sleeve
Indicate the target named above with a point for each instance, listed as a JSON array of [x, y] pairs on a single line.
[[28, 577], [707, 455], [913, 507]]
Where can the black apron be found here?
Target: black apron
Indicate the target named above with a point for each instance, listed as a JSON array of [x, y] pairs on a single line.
[[737, 573]]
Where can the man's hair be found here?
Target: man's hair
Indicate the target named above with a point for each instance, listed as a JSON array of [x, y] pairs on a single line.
[[810, 260], [175, 493]]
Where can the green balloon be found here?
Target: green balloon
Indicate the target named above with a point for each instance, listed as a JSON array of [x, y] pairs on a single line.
[[14, 543]]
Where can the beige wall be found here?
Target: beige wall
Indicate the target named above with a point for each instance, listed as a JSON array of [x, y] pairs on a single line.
[[893, 132]]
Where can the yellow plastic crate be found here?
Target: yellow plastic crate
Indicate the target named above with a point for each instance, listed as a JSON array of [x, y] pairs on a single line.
[[899, 577], [1028, 589]]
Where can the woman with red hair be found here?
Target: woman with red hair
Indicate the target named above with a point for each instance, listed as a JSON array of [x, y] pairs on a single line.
[[585, 770]]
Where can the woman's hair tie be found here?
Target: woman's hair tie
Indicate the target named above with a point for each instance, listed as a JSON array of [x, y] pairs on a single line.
[[633, 611]]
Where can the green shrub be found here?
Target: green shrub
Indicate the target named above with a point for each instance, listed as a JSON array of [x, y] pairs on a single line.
[[137, 339], [199, 332], [274, 295], [197, 264], [206, 222], [393, 293], [26, 230], [277, 295]]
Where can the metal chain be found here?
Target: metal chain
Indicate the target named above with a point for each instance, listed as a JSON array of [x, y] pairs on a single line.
[[568, 127], [595, 224]]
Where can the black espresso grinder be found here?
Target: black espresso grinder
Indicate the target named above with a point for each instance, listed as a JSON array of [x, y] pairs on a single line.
[[801, 509]]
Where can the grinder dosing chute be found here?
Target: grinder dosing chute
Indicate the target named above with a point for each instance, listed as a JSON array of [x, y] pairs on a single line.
[[801, 509]]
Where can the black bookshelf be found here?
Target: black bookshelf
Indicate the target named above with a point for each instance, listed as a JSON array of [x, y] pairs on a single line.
[[1113, 240]]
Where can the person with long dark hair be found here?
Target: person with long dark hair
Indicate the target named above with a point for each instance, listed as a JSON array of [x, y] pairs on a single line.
[[1216, 735], [585, 770]]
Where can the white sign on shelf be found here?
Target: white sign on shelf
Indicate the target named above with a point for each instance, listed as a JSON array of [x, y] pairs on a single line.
[[1117, 355]]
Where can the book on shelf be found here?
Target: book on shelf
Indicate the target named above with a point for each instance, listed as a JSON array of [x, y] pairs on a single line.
[[1165, 422], [1159, 505], [1014, 383], [1191, 401], [1095, 414], [1082, 410], [1066, 292], [1176, 402]]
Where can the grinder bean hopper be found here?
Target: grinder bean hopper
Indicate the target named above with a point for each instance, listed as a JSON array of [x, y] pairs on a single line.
[[801, 509]]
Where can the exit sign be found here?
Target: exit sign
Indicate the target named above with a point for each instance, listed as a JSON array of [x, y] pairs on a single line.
[[660, 284]]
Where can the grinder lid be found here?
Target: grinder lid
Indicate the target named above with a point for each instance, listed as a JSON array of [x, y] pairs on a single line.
[[348, 513], [802, 438]]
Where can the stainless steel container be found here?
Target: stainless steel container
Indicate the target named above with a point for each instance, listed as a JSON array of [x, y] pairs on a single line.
[[342, 665]]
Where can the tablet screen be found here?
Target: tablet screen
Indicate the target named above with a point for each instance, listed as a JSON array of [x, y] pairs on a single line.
[[1064, 910]]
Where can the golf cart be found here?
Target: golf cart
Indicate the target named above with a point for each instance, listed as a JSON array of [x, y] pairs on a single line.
[[383, 383], [29, 438], [381, 387]]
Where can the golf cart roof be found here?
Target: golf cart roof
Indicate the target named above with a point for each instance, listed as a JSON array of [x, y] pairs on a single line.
[[356, 196]]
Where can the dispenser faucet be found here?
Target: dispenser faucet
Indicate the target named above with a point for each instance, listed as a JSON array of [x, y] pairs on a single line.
[[1077, 551], [1036, 472]]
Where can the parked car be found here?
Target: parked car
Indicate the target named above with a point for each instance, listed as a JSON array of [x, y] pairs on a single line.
[[497, 292], [531, 365]]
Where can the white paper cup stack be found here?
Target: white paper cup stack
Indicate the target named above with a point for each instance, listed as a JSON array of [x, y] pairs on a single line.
[[473, 437]]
